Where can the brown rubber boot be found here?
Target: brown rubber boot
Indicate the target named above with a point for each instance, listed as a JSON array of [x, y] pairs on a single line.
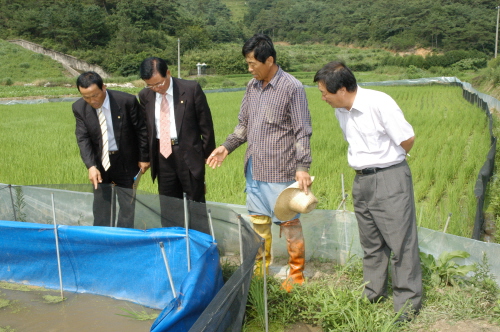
[[296, 251], [262, 226]]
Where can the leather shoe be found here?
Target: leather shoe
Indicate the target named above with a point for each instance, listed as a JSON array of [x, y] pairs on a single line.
[[406, 317], [378, 299]]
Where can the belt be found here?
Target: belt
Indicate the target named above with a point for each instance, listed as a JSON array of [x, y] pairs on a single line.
[[370, 170], [113, 152], [373, 170]]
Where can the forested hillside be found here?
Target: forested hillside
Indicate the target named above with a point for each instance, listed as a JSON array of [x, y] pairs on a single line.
[[118, 34]]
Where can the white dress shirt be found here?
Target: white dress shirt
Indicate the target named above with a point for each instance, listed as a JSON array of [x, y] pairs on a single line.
[[170, 99], [106, 110], [374, 128]]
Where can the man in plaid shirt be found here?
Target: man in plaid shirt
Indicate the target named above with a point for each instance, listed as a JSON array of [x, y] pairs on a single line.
[[274, 119]]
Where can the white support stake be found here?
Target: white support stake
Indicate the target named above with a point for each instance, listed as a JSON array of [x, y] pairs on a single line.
[[165, 260], [186, 225], [266, 312], [240, 220], [211, 225], [447, 222], [343, 192], [112, 206], [57, 247]]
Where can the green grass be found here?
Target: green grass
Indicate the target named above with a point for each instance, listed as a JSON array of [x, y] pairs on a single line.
[[20, 65], [333, 301], [452, 140]]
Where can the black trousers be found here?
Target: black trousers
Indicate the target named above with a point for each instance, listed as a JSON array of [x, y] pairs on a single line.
[[117, 179], [175, 179]]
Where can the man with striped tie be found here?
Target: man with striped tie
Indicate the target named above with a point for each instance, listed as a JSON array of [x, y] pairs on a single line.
[[112, 137]]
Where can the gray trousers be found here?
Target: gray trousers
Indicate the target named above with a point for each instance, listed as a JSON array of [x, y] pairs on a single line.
[[385, 210]]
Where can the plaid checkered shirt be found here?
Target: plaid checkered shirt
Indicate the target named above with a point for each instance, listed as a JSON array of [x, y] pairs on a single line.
[[276, 123]]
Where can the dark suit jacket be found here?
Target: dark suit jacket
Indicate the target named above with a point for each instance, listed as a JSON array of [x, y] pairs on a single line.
[[128, 126], [193, 121]]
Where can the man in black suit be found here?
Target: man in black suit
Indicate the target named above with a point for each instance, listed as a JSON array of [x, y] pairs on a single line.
[[180, 132], [112, 137]]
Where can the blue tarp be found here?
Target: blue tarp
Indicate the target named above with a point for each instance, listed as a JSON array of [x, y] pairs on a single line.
[[121, 263]]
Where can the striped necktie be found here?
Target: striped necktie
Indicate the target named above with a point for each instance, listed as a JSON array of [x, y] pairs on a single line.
[[104, 131], [165, 140]]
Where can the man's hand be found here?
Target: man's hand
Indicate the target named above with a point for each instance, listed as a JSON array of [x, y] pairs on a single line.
[[95, 176], [144, 166], [217, 157], [304, 180]]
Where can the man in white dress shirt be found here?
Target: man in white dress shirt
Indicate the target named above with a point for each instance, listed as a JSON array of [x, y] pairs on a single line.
[[379, 140]]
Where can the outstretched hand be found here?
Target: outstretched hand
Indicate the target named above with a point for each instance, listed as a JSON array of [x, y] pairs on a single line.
[[217, 157]]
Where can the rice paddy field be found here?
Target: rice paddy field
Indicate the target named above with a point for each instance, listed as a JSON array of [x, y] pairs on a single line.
[[38, 146]]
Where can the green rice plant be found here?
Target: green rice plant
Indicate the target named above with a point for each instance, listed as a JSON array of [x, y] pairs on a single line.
[[6, 329], [256, 300], [4, 303], [334, 302], [138, 315], [452, 141], [52, 299], [19, 204]]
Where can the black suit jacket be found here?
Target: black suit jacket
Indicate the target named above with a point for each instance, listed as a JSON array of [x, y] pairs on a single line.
[[193, 122], [128, 126]]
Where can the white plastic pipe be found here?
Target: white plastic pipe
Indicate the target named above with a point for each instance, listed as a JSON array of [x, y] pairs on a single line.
[[57, 246], [167, 266], [186, 225], [211, 225]]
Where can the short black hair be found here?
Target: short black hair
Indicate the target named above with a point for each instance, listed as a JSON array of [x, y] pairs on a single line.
[[88, 78], [336, 75], [151, 66], [261, 46]]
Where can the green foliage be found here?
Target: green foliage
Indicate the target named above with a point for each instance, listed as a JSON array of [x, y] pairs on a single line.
[[228, 268], [115, 34], [413, 72], [224, 59], [335, 301], [460, 60], [470, 64], [445, 271], [107, 31]]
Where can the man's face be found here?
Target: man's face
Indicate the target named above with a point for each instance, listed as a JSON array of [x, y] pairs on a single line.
[[93, 95], [260, 71], [157, 83], [335, 100]]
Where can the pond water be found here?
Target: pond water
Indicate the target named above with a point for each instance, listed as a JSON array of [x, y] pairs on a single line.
[[29, 311]]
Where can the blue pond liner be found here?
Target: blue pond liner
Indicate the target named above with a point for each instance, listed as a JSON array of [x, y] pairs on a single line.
[[121, 263]]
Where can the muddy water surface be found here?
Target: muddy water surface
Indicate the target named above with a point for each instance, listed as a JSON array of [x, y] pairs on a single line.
[[28, 311]]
